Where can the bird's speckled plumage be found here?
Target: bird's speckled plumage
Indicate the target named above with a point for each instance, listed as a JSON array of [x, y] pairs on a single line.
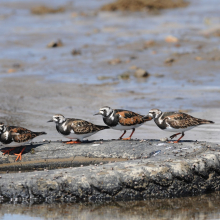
[[75, 128], [176, 121], [182, 120], [79, 126], [12, 136]]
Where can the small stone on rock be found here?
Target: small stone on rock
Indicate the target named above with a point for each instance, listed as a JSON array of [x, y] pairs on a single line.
[[57, 43], [164, 139]]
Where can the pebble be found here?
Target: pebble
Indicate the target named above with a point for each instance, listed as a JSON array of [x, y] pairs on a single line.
[[164, 139], [133, 67], [160, 144], [171, 39], [139, 73], [169, 61], [95, 145], [57, 43], [114, 61], [76, 52], [198, 58], [124, 76], [11, 70], [149, 43]]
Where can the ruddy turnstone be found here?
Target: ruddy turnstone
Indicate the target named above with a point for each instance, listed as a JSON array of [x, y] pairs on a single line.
[[13, 136], [176, 122], [120, 119], [75, 128]]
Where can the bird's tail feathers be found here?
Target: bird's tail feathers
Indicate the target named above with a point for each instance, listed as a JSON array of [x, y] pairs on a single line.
[[203, 121], [102, 127], [40, 133]]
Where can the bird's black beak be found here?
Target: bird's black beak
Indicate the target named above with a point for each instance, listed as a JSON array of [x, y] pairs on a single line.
[[98, 113], [148, 117], [50, 120]]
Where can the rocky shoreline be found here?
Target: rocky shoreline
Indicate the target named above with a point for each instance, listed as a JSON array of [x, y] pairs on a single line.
[[116, 170]]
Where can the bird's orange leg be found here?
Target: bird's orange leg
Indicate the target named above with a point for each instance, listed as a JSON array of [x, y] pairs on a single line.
[[174, 135], [178, 139], [129, 138], [7, 151], [74, 142], [123, 134], [19, 155]]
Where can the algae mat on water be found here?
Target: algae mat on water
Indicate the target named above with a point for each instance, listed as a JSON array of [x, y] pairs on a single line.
[[140, 5]]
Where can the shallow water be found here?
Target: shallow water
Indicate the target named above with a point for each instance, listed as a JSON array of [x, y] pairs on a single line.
[[197, 208]]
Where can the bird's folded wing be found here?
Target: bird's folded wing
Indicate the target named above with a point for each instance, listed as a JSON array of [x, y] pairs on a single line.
[[128, 118], [181, 120], [21, 137], [83, 127]]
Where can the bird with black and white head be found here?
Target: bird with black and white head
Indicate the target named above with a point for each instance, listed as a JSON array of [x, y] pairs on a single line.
[[14, 136], [176, 122], [120, 119], [75, 128]]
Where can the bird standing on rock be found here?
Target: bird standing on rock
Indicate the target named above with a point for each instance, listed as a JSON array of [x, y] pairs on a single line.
[[176, 122], [120, 119], [13, 136], [75, 128]]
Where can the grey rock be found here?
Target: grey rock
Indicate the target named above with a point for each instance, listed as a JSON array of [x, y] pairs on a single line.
[[145, 169]]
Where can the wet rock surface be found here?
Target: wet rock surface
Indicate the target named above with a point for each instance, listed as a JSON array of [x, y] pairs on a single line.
[[145, 169]]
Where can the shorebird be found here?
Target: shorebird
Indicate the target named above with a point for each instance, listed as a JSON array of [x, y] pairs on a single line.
[[75, 128], [13, 136], [120, 119], [176, 122]]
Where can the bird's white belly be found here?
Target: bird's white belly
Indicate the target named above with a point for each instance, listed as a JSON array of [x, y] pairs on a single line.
[[78, 136], [121, 127], [15, 144], [170, 129]]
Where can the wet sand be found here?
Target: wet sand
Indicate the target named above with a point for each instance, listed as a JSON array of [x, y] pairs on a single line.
[[30, 103]]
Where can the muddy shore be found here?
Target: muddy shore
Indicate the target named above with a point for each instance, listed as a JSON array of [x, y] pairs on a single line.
[[147, 169]]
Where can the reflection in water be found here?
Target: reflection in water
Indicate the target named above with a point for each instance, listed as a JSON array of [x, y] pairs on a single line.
[[200, 207]]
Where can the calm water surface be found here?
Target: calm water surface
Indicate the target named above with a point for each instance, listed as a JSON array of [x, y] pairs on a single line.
[[205, 207]]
